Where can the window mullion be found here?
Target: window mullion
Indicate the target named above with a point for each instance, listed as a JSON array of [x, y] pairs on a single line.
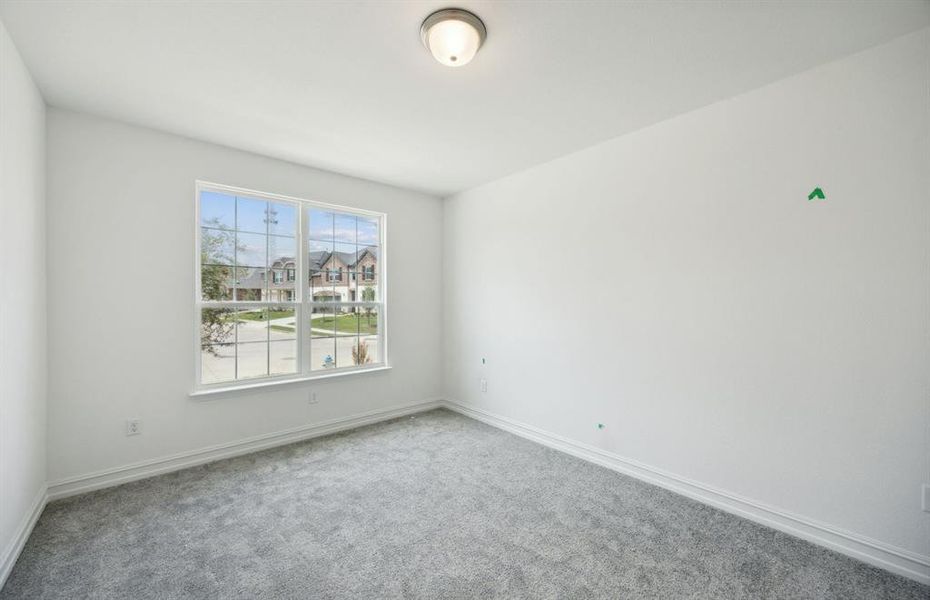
[[269, 276], [303, 276]]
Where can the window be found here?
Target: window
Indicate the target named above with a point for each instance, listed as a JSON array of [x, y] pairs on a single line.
[[256, 319]]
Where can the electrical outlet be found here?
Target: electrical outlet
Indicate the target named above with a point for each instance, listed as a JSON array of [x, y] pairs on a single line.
[[313, 398], [484, 385], [133, 426], [925, 501]]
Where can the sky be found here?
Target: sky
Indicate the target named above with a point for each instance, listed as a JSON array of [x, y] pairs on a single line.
[[328, 230]]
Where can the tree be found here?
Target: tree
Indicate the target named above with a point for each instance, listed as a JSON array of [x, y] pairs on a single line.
[[368, 295], [216, 245]]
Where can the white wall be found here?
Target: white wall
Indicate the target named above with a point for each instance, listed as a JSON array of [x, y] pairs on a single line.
[[676, 285], [120, 210], [22, 300]]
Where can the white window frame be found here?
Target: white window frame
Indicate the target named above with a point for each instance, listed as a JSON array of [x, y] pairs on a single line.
[[303, 302]]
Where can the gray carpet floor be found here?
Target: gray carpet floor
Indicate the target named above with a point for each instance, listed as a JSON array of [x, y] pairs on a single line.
[[430, 506]]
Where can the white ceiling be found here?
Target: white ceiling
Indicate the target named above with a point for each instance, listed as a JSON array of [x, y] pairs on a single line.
[[346, 86]]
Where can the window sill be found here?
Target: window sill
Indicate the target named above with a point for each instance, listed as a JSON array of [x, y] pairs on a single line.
[[211, 392]]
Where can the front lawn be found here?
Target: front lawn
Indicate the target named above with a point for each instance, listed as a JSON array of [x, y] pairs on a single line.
[[264, 315], [360, 322], [349, 323]]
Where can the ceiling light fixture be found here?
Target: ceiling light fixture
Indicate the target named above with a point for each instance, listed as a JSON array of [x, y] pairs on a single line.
[[453, 36]]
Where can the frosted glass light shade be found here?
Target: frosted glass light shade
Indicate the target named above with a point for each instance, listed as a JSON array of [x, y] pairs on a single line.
[[453, 36]]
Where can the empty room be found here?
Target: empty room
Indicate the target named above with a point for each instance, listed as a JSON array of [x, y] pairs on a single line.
[[504, 299]]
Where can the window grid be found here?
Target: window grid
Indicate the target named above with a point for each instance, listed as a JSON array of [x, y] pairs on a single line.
[[326, 304], [300, 300]]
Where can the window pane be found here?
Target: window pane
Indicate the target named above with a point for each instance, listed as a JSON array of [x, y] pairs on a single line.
[[282, 218], [321, 288], [217, 210], [282, 323], [340, 263], [217, 363], [323, 341], [347, 336], [252, 325], [345, 253], [366, 279], [283, 357], [368, 255], [322, 322], [283, 256], [251, 250], [368, 320], [251, 284], [251, 360], [365, 291], [347, 321], [344, 228], [217, 326], [369, 339], [251, 215], [368, 349], [322, 353], [281, 250], [216, 282], [279, 288], [340, 280], [252, 347], [319, 252], [369, 263], [344, 257], [368, 232], [321, 225], [217, 246], [345, 351]]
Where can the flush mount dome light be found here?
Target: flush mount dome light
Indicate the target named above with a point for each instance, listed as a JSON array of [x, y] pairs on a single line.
[[453, 36]]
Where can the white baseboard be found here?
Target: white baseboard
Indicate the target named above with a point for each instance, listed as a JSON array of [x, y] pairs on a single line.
[[897, 560], [149, 468], [11, 553]]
